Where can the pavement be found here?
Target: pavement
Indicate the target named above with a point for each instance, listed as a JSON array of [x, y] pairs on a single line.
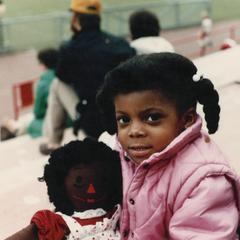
[[228, 135], [222, 67]]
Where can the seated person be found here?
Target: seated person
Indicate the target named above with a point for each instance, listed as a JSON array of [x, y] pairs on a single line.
[[145, 33], [84, 183], [83, 62], [33, 126]]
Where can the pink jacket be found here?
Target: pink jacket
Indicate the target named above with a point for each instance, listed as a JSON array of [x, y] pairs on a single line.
[[187, 191]]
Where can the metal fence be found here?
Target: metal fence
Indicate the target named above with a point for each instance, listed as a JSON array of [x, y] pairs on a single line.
[[51, 29]]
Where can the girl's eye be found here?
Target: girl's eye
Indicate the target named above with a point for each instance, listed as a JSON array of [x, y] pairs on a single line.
[[123, 119], [153, 117]]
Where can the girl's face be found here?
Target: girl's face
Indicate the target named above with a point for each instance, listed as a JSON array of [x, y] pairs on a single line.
[[147, 122]]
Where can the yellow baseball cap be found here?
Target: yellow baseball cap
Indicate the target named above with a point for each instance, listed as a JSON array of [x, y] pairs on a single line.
[[86, 6]]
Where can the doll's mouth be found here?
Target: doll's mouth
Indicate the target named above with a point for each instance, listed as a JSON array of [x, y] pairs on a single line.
[[88, 200]]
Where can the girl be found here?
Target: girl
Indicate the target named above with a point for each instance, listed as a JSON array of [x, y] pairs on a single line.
[[176, 182], [84, 183]]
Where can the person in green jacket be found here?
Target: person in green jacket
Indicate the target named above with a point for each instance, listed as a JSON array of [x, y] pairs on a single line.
[[48, 60]]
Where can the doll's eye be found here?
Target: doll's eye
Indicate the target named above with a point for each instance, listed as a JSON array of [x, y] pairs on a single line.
[[78, 181], [104, 180]]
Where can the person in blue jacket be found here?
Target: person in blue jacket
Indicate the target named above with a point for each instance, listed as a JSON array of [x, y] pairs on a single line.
[[83, 62]]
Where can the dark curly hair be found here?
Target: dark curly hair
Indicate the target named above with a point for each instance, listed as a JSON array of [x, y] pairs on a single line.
[[72, 154], [48, 57], [143, 24], [169, 73]]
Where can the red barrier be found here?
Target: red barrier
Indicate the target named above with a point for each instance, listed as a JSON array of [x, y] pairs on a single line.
[[218, 35], [23, 96]]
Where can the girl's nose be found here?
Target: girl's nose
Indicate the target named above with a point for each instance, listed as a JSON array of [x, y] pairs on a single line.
[[136, 130]]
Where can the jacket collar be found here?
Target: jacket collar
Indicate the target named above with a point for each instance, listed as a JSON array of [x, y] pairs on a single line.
[[174, 147], [86, 31]]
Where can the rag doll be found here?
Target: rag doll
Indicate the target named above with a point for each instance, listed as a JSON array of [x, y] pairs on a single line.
[[84, 183]]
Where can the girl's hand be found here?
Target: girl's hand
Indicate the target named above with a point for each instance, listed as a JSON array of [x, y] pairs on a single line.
[[27, 233]]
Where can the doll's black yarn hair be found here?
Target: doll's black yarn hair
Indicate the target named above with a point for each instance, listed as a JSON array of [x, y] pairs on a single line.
[[171, 75], [72, 154]]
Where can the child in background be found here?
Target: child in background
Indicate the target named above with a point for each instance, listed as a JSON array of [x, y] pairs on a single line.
[[33, 126], [48, 61], [176, 182], [205, 39], [85, 185], [145, 30]]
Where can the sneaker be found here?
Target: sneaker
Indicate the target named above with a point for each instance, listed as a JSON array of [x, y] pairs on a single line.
[[45, 149], [6, 134]]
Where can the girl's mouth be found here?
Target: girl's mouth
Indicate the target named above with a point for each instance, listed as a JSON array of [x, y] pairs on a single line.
[[139, 151]]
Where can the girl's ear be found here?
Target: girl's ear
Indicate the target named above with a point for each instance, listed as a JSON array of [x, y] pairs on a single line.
[[189, 117]]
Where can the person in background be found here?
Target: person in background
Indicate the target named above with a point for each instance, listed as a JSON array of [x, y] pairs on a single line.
[[204, 34], [145, 31], [170, 165], [83, 62], [48, 60]]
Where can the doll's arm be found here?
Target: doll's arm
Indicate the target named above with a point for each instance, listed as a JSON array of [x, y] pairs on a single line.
[[209, 212], [50, 225], [27, 233]]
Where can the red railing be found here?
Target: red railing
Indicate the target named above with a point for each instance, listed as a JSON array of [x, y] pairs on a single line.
[[23, 96]]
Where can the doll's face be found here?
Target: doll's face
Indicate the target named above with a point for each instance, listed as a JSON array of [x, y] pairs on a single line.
[[87, 187]]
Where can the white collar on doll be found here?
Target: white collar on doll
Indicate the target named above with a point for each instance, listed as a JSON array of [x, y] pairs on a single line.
[[90, 213]]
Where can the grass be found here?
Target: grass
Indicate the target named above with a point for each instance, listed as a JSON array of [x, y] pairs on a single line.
[[36, 34], [17, 8], [225, 9], [221, 9]]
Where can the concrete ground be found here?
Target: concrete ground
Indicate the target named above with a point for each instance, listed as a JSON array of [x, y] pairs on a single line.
[[21, 195], [223, 68]]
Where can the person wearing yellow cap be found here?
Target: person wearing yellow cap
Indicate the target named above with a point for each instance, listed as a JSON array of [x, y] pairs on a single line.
[[83, 62], [86, 6], [85, 9]]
